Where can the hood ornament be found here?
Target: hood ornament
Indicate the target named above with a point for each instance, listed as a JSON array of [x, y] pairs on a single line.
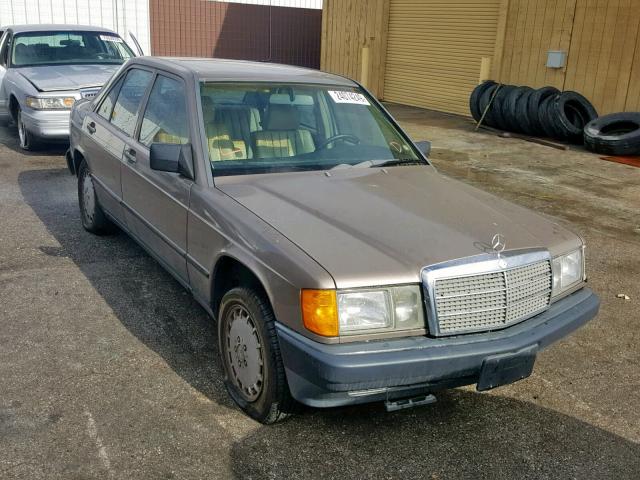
[[498, 244]]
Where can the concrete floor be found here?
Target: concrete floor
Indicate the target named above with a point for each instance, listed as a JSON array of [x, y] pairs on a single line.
[[108, 369]]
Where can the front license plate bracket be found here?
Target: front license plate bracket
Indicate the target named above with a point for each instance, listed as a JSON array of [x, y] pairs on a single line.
[[506, 368]]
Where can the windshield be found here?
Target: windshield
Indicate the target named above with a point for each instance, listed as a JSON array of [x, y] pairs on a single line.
[[63, 48], [264, 128]]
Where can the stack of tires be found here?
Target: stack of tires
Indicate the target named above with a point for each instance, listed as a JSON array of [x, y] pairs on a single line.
[[543, 112]]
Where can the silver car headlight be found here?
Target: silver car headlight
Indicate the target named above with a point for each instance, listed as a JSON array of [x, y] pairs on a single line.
[[50, 103], [568, 271], [380, 310]]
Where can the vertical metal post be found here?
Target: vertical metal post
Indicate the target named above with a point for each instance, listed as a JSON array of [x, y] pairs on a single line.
[[364, 72]]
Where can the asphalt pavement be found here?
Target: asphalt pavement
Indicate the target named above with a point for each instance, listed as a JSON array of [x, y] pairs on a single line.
[[109, 369]]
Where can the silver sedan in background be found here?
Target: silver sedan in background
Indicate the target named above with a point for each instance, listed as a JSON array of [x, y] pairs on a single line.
[[44, 69]]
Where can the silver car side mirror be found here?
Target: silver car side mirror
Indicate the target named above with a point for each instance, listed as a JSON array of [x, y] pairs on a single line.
[[172, 157]]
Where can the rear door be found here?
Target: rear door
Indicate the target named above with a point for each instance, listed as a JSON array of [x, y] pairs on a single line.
[[106, 132], [156, 202]]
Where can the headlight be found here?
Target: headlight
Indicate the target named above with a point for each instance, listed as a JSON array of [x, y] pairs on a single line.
[[568, 271], [50, 103], [331, 313]]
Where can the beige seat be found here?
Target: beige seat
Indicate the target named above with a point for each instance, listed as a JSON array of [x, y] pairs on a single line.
[[221, 146], [162, 136], [282, 135], [241, 121]]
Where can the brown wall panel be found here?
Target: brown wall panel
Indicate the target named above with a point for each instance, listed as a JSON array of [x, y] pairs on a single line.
[[199, 28]]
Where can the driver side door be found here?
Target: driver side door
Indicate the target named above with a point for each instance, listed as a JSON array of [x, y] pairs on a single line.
[[156, 203]]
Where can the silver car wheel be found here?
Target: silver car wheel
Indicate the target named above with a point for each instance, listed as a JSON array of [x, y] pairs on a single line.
[[22, 132], [88, 198], [244, 353]]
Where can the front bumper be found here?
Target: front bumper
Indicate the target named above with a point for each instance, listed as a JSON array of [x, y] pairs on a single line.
[[323, 375], [47, 124]]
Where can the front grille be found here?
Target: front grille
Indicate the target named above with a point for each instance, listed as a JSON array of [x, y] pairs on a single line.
[[491, 300]]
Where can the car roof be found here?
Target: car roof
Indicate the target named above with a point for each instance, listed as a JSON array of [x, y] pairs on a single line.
[[224, 70], [54, 28]]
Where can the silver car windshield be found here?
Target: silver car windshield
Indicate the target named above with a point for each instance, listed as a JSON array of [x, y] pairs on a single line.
[[264, 128], [63, 48]]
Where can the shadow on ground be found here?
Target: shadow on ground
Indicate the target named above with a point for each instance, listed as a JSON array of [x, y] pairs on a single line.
[[9, 138], [465, 435]]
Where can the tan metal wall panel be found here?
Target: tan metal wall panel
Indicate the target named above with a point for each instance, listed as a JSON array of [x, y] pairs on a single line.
[[435, 49], [601, 56], [348, 26], [601, 37]]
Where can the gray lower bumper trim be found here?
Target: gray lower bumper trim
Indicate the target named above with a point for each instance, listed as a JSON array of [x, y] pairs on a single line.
[[322, 375]]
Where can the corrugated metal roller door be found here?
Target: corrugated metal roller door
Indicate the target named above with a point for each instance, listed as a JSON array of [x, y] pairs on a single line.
[[435, 49]]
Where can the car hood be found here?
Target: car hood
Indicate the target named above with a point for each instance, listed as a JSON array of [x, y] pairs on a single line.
[[377, 227], [67, 77]]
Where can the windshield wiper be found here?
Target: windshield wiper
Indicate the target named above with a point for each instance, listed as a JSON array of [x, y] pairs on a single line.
[[398, 161], [383, 163]]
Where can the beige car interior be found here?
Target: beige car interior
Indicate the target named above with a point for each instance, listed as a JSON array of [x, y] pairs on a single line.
[[236, 132], [282, 135]]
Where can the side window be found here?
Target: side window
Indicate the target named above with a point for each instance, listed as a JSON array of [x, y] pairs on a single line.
[[106, 107], [165, 118], [125, 111]]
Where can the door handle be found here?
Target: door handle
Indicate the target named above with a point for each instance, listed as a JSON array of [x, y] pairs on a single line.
[[130, 155], [91, 128]]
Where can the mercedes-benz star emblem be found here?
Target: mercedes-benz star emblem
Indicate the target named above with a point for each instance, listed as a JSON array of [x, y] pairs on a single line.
[[498, 243]]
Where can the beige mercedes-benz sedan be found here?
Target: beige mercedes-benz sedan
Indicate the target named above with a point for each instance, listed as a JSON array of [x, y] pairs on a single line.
[[341, 267]]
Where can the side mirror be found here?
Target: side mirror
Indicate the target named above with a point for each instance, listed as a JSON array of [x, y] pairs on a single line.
[[425, 147], [172, 157]]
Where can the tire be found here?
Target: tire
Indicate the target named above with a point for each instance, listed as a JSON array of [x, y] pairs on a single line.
[[247, 337], [546, 116], [614, 134], [535, 102], [93, 217], [474, 99], [509, 113], [27, 140], [485, 99], [570, 112], [521, 113], [500, 113]]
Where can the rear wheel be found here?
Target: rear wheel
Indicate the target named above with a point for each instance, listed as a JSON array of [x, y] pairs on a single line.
[[27, 140], [254, 372], [93, 217]]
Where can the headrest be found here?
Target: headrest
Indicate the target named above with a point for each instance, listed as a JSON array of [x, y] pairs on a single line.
[[282, 117], [207, 103], [208, 108]]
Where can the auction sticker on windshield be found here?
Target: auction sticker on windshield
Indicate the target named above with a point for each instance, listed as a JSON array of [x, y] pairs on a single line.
[[348, 97]]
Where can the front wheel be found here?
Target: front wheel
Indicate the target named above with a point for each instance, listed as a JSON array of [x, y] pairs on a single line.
[[27, 140], [93, 217], [254, 372]]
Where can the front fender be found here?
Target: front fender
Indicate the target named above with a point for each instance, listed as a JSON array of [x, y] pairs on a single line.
[[19, 87]]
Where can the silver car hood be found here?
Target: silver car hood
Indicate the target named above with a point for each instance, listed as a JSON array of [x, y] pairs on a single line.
[[367, 227], [67, 77]]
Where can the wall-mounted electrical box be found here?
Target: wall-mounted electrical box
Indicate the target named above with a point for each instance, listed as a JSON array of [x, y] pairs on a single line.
[[556, 58]]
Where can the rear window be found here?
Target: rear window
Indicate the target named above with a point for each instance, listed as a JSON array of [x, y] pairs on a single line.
[[60, 48]]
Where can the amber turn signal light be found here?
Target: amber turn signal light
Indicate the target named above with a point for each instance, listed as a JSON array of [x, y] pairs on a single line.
[[320, 312]]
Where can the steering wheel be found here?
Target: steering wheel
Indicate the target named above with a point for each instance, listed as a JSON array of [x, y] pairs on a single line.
[[342, 137]]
